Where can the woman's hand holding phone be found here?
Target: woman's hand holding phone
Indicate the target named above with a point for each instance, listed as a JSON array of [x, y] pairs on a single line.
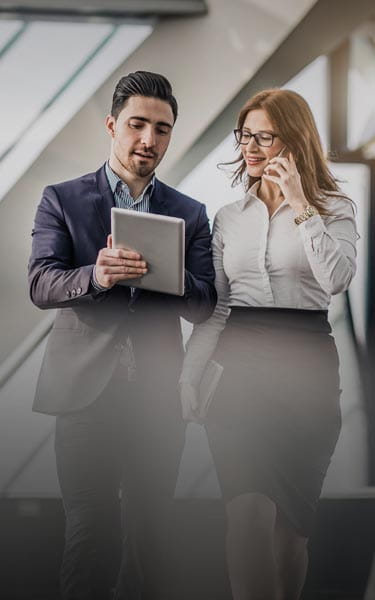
[[285, 174]]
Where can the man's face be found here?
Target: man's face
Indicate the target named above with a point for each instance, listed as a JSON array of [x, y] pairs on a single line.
[[140, 135]]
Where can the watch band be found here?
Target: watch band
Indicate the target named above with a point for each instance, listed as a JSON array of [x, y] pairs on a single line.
[[309, 211]]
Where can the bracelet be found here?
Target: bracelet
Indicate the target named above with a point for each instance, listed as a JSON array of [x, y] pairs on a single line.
[[309, 211]]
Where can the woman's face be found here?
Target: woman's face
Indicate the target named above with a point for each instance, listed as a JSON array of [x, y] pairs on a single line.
[[256, 156]]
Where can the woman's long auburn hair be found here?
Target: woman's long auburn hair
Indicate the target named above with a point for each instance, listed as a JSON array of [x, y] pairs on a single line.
[[294, 123]]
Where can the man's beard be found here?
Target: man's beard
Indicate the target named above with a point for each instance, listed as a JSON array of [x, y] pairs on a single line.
[[137, 168]]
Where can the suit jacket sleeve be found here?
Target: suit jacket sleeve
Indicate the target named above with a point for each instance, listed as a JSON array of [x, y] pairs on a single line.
[[55, 281], [200, 296]]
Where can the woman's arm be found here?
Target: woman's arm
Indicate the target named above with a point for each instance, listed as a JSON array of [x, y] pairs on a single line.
[[329, 244], [204, 338]]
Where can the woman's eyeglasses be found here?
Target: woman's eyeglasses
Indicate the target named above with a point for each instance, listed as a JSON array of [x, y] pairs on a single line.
[[262, 138]]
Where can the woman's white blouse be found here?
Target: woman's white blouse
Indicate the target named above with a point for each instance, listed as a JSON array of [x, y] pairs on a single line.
[[272, 262]]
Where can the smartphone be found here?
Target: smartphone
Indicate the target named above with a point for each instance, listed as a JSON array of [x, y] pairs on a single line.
[[278, 154]]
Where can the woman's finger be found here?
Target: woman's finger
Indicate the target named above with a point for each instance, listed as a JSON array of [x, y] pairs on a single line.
[[272, 178], [283, 162], [276, 168]]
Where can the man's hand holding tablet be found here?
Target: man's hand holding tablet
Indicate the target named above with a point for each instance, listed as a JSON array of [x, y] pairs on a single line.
[[115, 264], [153, 248]]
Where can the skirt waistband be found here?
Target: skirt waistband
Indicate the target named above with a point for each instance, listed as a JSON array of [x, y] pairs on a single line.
[[291, 318]]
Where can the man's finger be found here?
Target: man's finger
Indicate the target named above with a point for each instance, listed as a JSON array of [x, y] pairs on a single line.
[[121, 253], [123, 276], [109, 241], [112, 261], [120, 270]]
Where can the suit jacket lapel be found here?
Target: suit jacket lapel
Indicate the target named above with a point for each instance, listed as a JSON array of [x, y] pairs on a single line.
[[104, 200], [158, 204]]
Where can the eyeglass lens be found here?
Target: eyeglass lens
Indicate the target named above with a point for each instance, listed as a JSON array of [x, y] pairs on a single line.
[[261, 138]]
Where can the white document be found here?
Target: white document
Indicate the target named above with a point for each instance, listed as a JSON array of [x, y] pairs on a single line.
[[208, 385]]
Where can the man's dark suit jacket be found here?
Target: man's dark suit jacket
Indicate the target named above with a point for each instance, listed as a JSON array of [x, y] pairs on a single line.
[[71, 226]]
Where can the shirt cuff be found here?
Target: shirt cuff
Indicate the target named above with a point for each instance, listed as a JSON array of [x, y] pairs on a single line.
[[313, 235], [95, 284], [312, 227]]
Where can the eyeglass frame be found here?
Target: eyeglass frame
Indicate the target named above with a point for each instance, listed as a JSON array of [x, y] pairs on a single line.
[[255, 136]]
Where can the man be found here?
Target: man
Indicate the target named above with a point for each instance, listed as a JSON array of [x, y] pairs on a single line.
[[113, 358]]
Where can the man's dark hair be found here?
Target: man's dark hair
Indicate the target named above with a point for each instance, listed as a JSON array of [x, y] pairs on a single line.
[[142, 83]]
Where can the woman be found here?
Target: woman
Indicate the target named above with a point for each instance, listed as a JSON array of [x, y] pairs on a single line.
[[279, 253]]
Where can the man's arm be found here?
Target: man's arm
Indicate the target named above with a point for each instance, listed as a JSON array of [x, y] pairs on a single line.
[[54, 279], [200, 295], [54, 282]]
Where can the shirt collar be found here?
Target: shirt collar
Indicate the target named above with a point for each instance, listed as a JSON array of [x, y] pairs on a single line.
[[251, 194], [114, 180]]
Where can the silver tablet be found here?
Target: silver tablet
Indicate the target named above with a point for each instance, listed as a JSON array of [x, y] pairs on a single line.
[[161, 242]]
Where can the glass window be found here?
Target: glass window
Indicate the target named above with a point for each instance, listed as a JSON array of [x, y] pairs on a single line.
[[47, 76], [311, 83], [361, 87], [355, 182], [8, 29], [37, 66]]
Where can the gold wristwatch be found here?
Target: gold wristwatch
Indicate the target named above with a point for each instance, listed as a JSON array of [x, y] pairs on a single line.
[[309, 211]]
